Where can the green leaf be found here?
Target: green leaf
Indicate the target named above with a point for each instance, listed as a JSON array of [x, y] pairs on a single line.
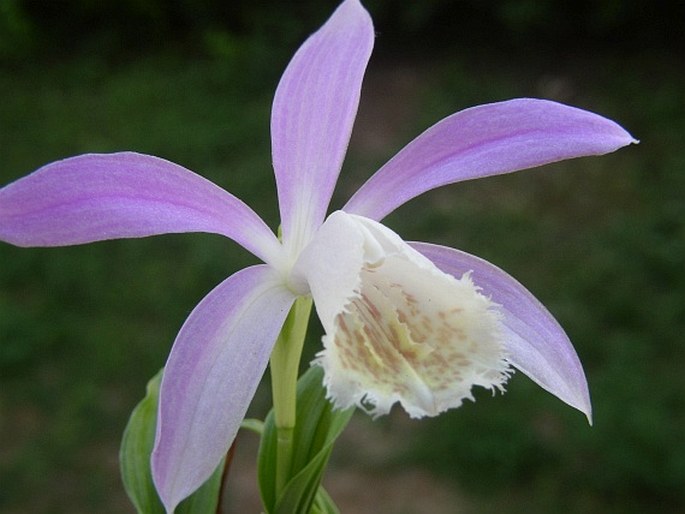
[[318, 426], [134, 456], [134, 460], [323, 503]]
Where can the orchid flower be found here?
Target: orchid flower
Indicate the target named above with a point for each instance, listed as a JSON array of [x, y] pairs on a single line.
[[409, 323]]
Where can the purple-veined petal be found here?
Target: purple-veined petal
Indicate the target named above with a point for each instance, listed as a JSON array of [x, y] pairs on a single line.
[[486, 140], [313, 112], [95, 197], [536, 343], [211, 375]]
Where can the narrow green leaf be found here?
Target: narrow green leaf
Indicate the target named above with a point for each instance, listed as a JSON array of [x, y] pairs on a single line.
[[134, 456], [324, 504], [266, 464], [134, 460], [298, 496], [318, 426]]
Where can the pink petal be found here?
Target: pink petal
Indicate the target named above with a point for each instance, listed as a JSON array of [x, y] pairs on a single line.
[[313, 113], [107, 196], [537, 344], [211, 375], [482, 141]]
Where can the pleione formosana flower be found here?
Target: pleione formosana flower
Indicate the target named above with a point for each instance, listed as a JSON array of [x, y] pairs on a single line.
[[410, 323]]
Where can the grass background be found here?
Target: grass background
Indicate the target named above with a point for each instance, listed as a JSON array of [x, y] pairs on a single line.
[[601, 241]]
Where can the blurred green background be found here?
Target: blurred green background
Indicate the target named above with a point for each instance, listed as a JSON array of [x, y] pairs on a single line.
[[601, 241]]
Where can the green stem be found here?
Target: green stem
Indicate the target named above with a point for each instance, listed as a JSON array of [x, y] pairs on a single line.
[[285, 365]]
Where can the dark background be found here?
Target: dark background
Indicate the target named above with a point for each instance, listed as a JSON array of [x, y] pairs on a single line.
[[33, 26]]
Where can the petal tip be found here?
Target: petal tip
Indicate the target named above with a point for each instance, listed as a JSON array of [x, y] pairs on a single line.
[[159, 482]]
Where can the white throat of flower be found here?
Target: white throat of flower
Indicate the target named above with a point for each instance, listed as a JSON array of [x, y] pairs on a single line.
[[397, 328]]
